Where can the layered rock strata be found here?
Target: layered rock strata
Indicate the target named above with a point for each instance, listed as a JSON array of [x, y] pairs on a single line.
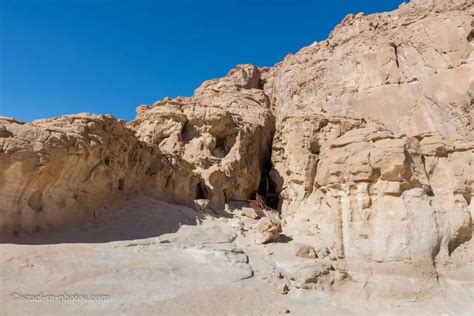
[[410, 69], [60, 172], [384, 203]]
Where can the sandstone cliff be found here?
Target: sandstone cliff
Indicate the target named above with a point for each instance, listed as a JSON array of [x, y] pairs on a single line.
[[214, 144], [363, 142], [410, 69], [59, 172]]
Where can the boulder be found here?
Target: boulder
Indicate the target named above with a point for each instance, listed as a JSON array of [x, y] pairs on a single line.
[[305, 251], [268, 229]]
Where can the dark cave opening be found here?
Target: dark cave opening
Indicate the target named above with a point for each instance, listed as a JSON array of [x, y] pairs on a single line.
[[267, 187], [201, 191]]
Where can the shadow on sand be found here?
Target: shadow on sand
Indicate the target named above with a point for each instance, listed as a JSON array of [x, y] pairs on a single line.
[[139, 218]]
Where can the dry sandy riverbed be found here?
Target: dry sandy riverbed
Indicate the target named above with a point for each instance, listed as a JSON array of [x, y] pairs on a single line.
[[158, 258]]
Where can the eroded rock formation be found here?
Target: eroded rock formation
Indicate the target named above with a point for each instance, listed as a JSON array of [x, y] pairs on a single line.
[[213, 144], [410, 69], [384, 203], [59, 172]]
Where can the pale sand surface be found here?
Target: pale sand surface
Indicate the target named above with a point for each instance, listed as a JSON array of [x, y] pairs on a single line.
[[162, 259]]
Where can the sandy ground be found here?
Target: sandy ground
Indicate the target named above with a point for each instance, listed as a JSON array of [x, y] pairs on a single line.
[[162, 259]]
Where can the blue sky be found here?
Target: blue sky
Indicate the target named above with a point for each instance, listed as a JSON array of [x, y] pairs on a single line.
[[109, 56]]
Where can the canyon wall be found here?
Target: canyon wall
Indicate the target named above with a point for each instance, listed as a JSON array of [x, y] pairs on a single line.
[[211, 147], [57, 173], [373, 152], [214, 144], [387, 205], [410, 69]]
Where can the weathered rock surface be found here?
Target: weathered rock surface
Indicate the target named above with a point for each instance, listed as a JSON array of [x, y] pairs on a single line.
[[373, 144], [305, 251], [213, 144], [268, 229], [383, 202], [410, 69], [60, 172]]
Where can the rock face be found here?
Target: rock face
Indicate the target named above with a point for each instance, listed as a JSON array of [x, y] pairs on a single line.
[[64, 171], [59, 172], [389, 68], [374, 139], [365, 139], [381, 201], [214, 144]]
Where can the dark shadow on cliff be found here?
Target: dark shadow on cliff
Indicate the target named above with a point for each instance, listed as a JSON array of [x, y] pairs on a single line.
[[138, 218]]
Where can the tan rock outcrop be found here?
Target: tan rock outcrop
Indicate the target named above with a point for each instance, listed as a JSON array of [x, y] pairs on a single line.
[[373, 142], [60, 172], [411, 69], [382, 201], [213, 144], [210, 147]]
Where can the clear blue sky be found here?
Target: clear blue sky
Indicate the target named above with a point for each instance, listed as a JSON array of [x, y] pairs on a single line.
[[109, 56]]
